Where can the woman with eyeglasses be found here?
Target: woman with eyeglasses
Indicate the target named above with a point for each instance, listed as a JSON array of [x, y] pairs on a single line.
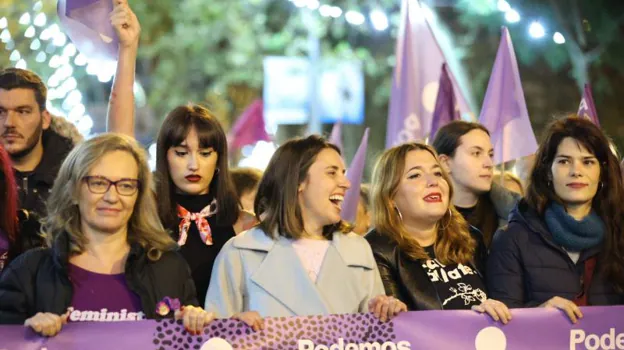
[[110, 258]]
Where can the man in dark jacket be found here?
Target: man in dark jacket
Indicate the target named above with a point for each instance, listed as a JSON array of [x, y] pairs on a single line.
[[28, 134]]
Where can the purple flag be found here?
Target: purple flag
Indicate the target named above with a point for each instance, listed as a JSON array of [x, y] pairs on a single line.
[[445, 108], [415, 78], [504, 112], [587, 108], [249, 127], [354, 174], [87, 24], [336, 135]]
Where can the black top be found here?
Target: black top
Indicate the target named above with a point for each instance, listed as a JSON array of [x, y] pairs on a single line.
[[406, 279], [38, 281], [198, 255], [34, 186], [459, 286], [466, 212]]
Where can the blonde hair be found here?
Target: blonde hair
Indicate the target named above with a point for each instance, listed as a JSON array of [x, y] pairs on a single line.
[[144, 226], [509, 176], [453, 244]]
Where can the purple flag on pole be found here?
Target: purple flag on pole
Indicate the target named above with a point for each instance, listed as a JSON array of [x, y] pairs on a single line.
[[587, 108], [354, 174], [445, 108], [249, 127], [504, 112], [336, 135], [415, 78], [87, 24]]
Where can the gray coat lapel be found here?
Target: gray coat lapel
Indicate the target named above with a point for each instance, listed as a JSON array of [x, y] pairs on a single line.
[[282, 275], [336, 281]]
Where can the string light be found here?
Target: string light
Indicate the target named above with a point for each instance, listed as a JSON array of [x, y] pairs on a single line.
[[58, 53], [379, 20]]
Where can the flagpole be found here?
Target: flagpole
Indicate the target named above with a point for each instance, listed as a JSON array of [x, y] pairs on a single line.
[[314, 56]]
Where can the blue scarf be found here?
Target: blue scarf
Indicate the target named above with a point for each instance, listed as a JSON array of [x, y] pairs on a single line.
[[571, 234]]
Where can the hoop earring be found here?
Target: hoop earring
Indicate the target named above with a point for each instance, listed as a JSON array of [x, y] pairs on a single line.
[[449, 220], [398, 212], [217, 171], [601, 186]]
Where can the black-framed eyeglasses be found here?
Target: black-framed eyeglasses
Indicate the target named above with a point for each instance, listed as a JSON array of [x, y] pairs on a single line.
[[100, 185]]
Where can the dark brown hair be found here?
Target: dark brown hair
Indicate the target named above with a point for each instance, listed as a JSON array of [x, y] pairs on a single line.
[[245, 179], [454, 244], [448, 138], [15, 78], [173, 132], [276, 204], [446, 142], [608, 200]]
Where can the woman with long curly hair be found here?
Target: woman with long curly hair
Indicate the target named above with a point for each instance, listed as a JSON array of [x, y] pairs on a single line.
[[427, 254]]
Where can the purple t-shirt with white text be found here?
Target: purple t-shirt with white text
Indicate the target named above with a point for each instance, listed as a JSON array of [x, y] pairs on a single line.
[[102, 298], [4, 250]]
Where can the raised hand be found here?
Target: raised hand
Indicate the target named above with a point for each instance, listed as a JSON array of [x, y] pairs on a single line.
[[126, 24]]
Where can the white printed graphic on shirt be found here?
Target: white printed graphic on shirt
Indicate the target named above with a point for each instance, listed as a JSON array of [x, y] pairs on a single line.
[[104, 315], [438, 273]]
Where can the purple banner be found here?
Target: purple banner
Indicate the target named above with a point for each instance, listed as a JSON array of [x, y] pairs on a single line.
[[600, 328]]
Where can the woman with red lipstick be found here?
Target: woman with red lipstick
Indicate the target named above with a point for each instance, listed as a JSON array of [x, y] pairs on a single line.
[[300, 260], [195, 194], [196, 199], [466, 153], [427, 254], [564, 246]]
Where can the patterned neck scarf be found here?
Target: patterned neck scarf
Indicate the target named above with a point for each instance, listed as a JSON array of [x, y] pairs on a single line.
[[200, 221]]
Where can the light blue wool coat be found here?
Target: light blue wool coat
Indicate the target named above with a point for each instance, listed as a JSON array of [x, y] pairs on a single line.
[[256, 273]]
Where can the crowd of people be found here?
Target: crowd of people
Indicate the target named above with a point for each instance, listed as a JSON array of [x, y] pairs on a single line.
[[89, 233]]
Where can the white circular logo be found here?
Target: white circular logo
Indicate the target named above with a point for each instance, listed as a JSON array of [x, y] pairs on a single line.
[[216, 344], [491, 338]]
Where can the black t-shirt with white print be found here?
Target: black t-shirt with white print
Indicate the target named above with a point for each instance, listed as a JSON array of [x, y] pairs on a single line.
[[459, 286]]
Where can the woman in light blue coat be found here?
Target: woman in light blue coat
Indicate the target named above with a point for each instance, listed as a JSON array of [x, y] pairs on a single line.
[[299, 260]]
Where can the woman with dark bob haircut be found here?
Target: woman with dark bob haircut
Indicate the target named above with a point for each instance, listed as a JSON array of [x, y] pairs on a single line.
[[197, 201], [300, 260], [564, 246], [196, 197]]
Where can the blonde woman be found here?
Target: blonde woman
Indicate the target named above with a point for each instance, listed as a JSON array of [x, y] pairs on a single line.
[[427, 254], [510, 181], [110, 258]]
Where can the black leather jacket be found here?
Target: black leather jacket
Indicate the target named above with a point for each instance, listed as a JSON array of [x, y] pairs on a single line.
[[405, 279], [38, 281]]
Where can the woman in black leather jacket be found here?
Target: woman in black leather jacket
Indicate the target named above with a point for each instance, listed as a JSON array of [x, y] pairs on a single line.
[[426, 253]]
